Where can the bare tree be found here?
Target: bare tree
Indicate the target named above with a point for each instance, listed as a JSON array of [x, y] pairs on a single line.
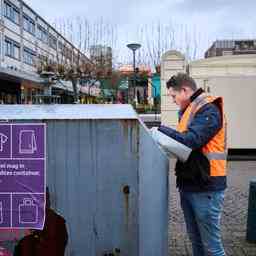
[[85, 35], [157, 38]]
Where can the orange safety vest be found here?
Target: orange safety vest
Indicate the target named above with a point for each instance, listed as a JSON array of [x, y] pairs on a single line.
[[216, 149]]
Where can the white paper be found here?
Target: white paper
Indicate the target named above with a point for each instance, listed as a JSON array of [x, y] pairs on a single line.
[[170, 145]]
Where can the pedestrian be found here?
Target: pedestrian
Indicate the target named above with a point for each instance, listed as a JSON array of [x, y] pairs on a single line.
[[201, 180]]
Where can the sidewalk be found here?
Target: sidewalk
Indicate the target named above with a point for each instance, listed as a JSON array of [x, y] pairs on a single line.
[[234, 216]]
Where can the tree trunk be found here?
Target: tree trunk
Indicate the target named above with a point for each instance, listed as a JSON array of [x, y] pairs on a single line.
[[75, 91]]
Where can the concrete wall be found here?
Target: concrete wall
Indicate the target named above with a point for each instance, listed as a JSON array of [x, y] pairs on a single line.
[[239, 97], [172, 63]]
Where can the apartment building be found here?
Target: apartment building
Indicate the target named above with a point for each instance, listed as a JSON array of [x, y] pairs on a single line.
[[231, 47], [26, 40]]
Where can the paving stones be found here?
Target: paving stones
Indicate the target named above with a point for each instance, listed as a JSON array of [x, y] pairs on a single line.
[[234, 217]]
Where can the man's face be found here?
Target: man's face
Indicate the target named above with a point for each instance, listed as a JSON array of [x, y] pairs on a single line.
[[179, 97]]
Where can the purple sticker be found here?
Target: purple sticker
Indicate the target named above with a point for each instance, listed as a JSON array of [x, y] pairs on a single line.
[[28, 210], [5, 141], [22, 175]]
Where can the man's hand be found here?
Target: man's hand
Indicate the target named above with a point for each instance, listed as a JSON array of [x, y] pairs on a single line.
[[171, 146]]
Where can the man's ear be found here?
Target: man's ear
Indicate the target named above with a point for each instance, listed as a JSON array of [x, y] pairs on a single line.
[[183, 88]]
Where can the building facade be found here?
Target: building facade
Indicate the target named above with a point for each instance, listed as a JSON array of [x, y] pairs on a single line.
[[102, 56], [231, 47], [26, 41]]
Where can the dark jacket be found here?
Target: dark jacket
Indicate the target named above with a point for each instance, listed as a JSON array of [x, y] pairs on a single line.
[[204, 126], [51, 241]]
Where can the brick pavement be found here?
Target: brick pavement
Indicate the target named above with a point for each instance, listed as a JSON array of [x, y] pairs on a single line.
[[234, 216]]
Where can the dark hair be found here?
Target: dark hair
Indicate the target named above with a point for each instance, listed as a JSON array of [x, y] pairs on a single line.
[[179, 80]]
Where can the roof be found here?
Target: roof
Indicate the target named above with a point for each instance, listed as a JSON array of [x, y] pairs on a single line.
[[226, 60], [129, 69], [66, 112], [172, 53], [228, 43]]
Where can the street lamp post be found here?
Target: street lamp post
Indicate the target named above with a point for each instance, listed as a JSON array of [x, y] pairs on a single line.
[[155, 105], [154, 98], [133, 47]]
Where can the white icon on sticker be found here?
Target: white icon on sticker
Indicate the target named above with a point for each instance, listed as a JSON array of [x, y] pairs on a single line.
[[27, 142], [1, 213], [28, 212], [3, 140]]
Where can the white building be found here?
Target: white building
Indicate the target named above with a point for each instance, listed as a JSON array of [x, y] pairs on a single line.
[[25, 40]]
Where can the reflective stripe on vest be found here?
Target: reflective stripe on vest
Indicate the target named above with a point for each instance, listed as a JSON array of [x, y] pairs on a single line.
[[216, 149], [216, 156]]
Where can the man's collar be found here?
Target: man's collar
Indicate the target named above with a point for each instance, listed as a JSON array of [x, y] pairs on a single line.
[[192, 98], [196, 94]]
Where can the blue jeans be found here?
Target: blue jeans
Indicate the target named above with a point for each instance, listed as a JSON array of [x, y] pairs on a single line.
[[202, 212]]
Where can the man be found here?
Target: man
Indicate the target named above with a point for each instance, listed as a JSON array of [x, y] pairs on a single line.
[[201, 180]]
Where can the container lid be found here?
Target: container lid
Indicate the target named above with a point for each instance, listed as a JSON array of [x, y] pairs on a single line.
[[66, 112]]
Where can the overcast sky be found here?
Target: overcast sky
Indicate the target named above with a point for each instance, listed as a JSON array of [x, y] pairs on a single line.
[[209, 19]]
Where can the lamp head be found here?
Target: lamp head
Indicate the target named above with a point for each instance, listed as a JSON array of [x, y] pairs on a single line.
[[133, 46]]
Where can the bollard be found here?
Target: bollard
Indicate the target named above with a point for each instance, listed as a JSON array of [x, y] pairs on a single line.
[[251, 219]]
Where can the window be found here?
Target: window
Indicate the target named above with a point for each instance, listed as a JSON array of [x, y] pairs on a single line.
[[68, 53], [42, 58], [53, 42], [12, 48], [75, 59], [224, 53], [42, 34], [8, 47], [11, 12], [7, 10], [28, 24], [16, 49], [61, 46], [29, 56], [16, 16]]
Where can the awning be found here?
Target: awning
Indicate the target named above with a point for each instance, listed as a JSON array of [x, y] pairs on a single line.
[[16, 75]]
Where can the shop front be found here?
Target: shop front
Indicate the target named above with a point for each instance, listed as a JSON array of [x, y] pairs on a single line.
[[18, 87], [10, 92]]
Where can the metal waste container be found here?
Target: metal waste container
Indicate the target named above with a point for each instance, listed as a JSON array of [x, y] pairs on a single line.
[[106, 177]]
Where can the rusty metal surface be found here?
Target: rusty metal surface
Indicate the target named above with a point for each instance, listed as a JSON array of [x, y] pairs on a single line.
[[153, 195], [107, 178]]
